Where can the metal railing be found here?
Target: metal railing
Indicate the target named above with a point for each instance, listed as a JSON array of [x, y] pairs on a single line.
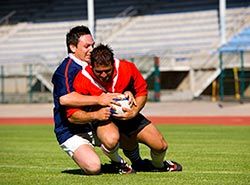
[[6, 19], [211, 60], [208, 57], [114, 26]]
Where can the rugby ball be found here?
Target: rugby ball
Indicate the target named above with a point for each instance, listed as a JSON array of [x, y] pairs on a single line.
[[117, 110]]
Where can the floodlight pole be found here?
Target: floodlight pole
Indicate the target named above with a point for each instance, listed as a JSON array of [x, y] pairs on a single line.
[[91, 17], [222, 14]]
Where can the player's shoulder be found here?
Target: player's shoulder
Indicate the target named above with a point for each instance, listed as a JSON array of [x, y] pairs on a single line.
[[128, 66], [126, 63], [70, 67], [67, 69], [69, 63], [84, 74]]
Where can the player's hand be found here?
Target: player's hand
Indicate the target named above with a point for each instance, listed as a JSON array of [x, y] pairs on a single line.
[[130, 97], [103, 114], [107, 99], [128, 114]]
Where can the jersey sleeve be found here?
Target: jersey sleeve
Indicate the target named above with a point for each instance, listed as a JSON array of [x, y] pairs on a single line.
[[80, 83], [63, 79], [140, 85], [71, 110], [79, 86]]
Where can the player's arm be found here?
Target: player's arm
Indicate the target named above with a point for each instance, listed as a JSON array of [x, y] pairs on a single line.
[[76, 96], [140, 88], [75, 99], [131, 113], [83, 117], [140, 101], [130, 97]]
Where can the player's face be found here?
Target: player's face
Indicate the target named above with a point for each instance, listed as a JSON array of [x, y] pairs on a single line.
[[103, 73], [84, 47]]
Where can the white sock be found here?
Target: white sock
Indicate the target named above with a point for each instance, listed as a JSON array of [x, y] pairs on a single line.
[[113, 154], [157, 159]]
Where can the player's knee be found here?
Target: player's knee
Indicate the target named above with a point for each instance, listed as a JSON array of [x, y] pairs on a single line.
[[93, 168], [111, 142], [162, 146]]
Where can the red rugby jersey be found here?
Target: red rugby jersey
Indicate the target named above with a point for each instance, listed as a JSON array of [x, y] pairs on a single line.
[[126, 77]]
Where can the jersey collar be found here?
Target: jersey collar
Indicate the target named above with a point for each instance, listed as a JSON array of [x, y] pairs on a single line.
[[78, 61], [88, 72]]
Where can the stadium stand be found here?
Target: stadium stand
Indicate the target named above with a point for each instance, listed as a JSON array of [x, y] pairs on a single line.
[[184, 34], [239, 42]]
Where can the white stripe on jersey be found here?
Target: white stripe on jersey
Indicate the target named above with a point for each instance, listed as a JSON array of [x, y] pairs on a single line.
[[117, 64], [87, 75]]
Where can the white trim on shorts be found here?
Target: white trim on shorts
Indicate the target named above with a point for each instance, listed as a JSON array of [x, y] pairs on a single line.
[[71, 144]]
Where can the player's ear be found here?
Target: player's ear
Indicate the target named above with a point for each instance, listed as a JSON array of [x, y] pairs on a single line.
[[72, 48]]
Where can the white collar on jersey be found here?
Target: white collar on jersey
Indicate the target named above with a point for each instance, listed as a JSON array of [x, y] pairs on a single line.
[[116, 65], [78, 61]]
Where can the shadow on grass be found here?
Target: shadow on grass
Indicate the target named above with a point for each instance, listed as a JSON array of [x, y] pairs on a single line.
[[106, 169], [74, 172]]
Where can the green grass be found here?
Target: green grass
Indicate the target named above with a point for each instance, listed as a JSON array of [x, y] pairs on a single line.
[[209, 155]]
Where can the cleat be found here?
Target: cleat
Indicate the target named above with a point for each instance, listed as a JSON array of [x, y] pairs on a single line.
[[144, 165], [171, 166], [123, 168]]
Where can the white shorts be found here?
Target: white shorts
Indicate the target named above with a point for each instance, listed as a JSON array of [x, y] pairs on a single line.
[[71, 144]]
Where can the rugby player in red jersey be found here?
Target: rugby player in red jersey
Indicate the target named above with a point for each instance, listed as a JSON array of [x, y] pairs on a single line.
[[107, 74]]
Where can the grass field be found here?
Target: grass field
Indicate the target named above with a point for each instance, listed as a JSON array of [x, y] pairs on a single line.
[[209, 155]]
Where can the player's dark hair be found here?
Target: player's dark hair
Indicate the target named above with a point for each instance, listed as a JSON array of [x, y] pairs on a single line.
[[74, 34], [102, 55]]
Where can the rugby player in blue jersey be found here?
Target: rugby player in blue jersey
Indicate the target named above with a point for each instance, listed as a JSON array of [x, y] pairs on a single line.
[[77, 139]]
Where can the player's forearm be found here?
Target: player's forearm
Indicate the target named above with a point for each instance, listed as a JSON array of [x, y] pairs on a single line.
[[140, 101], [82, 117], [75, 99]]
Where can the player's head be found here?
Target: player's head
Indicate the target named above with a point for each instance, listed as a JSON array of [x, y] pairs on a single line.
[[80, 42], [102, 62]]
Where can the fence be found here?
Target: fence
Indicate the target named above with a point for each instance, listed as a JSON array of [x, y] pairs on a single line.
[[233, 84], [24, 83]]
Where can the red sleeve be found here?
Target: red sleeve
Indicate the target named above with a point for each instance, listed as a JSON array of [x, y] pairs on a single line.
[[140, 85], [78, 85], [71, 110]]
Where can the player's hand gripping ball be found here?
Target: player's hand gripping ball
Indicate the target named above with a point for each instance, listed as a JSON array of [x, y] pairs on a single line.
[[117, 110]]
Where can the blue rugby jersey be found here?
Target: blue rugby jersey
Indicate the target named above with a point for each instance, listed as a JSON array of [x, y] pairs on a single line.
[[63, 79]]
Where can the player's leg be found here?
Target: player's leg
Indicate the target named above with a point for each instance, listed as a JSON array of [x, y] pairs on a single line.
[[87, 159], [140, 129], [82, 152], [109, 136], [129, 143], [130, 147], [147, 134], [158, 145]]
